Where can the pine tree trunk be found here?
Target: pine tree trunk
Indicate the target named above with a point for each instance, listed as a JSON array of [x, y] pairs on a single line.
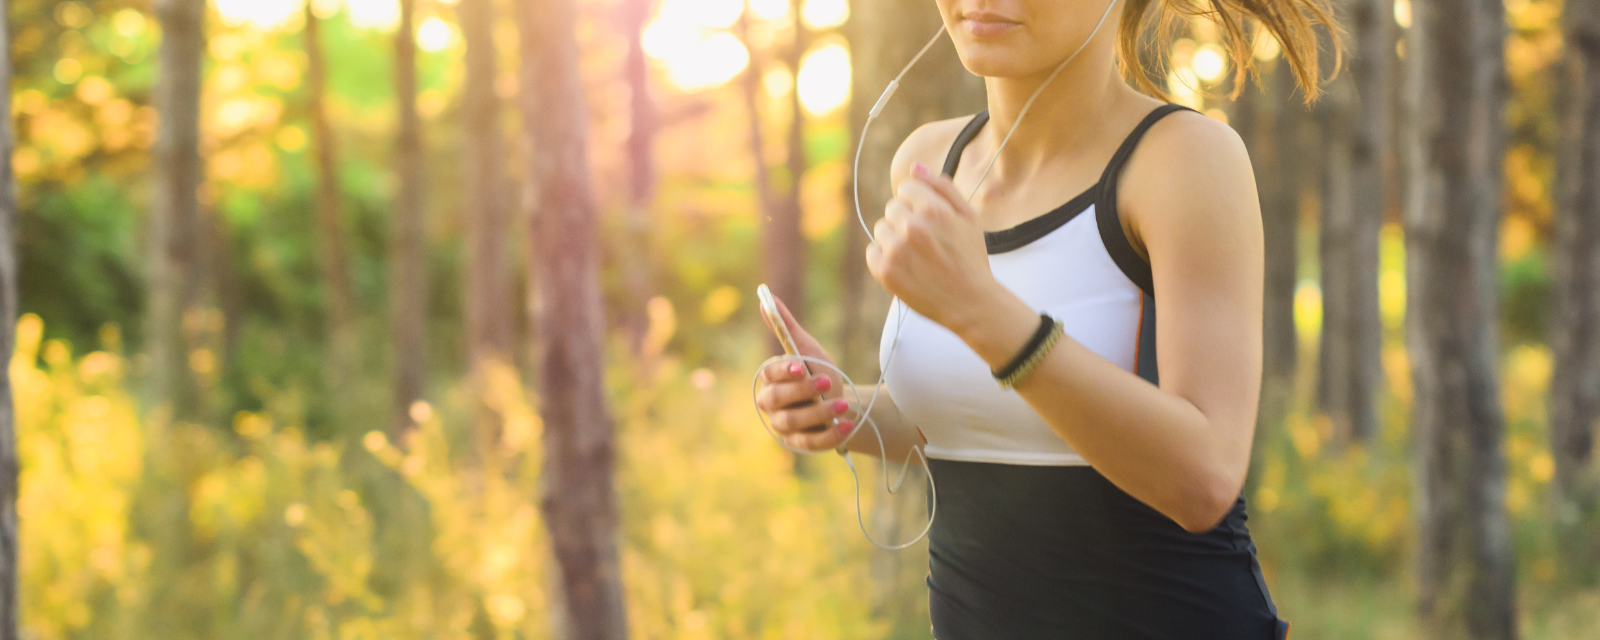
[[1355, 131], [1281, 182], [785, 243], [407, 275], [488, 275], [884, 36], [1252, 116], [339, 296], [1454, 156], [175, 203], [580, 502], [641, 171], [9, 617], [1575, 267]]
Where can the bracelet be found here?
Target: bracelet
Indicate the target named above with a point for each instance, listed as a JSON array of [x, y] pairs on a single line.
[[1038, 338], [1031, 357]]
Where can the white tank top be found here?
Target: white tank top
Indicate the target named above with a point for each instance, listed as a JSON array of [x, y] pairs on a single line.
[[1073, 263]]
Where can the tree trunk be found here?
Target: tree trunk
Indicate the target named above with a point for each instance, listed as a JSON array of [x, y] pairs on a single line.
[[579, 503], [175, 211], [884, 36], [785, 243], [1575, 267], [1252, 115], [339, 296], [771, 210], [1356, 135], [407, 276], [1457, 89], [488, 275], [9, 617], [641, 171], [1281, 181]]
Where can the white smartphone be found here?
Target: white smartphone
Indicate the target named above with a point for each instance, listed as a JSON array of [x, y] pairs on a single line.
[[769, 311], [774, 318]]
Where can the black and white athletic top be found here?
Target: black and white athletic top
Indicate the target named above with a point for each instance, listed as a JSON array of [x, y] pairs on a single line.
[[1030, 541]]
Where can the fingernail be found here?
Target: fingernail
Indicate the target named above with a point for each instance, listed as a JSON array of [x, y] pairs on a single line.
[[795, 369], [840, 406], [919, 170], [846, 426], [824, 383]]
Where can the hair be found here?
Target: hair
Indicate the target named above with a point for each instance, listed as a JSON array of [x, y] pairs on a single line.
[[1292, 23]]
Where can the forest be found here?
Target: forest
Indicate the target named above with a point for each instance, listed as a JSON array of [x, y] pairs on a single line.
[[341, 319]]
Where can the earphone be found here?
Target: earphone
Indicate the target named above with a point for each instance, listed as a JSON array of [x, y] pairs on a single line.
[[865, 419]]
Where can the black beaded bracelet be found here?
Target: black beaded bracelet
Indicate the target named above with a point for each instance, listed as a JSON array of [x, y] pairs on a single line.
[[1046, 324]]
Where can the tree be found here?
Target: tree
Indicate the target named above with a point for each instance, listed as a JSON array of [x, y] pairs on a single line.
[[338, 296], [488, 275], [1356, 134], [1575, 271], [1281, 179], [883, 37], [407, 283], [580, 502], [1456, 89], [641, 169], [9, 619], [174, 280]]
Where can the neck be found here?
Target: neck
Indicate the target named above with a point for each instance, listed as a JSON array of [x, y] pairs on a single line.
[[1067, 112]]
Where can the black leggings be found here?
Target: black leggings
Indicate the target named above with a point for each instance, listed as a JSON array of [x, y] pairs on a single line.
[[1022, 552]]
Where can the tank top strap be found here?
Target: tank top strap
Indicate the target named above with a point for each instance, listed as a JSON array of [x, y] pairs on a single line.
[[953, 158], [1107, 218]]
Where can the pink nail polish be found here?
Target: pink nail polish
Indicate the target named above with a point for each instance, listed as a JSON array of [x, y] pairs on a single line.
[[840, 406], [795, 369], [845, 426], [824, 384], [919, 170]]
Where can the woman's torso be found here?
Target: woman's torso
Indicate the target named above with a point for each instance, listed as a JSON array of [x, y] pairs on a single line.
[[1029, 541]]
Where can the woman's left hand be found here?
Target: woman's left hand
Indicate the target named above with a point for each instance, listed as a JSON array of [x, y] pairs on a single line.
[[930, 251]]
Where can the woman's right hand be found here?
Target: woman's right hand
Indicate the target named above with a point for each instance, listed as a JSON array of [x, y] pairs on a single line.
[[789, 396]]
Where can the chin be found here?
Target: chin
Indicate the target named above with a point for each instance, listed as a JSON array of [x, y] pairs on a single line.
[[997, 62]]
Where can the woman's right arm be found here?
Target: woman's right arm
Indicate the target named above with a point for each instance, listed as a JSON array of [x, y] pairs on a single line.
[[899, 435]]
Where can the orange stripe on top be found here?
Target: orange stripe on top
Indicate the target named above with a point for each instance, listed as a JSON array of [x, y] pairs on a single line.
[[1137, 335]]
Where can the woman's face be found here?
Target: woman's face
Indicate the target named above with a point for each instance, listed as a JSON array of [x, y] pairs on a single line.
[[1019, 38]]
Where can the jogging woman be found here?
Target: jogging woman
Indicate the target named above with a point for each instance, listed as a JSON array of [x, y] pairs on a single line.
[[1089, 460]]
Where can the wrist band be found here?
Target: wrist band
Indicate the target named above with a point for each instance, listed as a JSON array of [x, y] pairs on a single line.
[[1036, 356], [1046, 326]]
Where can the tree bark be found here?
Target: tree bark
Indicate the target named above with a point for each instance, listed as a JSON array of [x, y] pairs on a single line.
[[488, 275], [1282, 179], [1457, 89], [1575, 267], [1356, 135], [175, 211], [786, 244], [641, 171], [407, 275], [9, 617], [773, 211], [338, 294], [579, 503], [884, 36]]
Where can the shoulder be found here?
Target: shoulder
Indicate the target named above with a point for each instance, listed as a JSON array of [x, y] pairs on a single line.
[[928, 144], [1190, 172]]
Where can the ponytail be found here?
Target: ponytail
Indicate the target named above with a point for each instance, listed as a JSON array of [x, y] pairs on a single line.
[[1291, 22]]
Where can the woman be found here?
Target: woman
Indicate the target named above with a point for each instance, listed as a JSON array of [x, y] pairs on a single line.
[[1098, 493]]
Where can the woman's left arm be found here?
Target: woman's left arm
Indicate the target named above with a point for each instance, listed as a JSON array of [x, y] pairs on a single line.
[[1182, 448]]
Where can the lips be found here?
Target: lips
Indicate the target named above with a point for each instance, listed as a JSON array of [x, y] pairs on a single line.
[[986, 24]]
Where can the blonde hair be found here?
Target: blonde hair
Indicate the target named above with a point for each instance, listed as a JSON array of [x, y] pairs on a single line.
[[1291, 22]]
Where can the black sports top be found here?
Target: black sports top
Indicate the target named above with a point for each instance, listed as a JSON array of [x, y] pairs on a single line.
[[1023, 551]]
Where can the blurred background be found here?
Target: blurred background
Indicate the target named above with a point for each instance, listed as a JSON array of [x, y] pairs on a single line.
[[436, 318]]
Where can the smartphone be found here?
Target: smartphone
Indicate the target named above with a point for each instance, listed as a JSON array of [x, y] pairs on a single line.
[[769, 311], [774, 318]]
